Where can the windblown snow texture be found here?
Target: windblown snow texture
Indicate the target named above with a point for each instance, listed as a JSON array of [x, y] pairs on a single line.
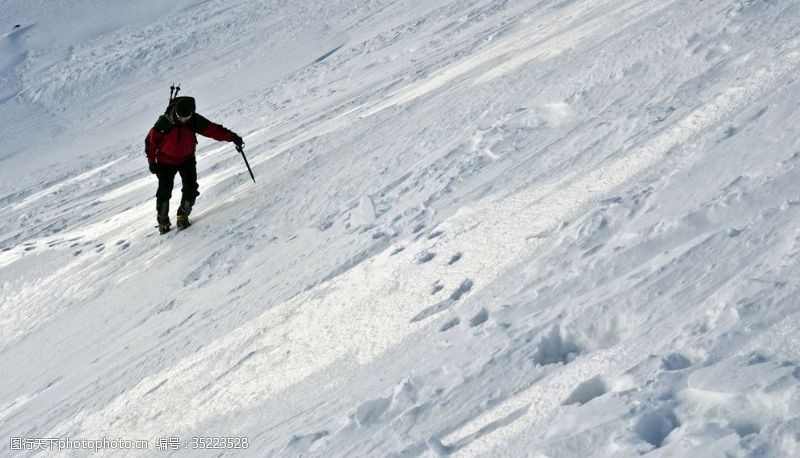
[[479, 228]]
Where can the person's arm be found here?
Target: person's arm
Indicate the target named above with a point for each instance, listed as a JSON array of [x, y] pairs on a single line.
[[218, 132], [151, 143]]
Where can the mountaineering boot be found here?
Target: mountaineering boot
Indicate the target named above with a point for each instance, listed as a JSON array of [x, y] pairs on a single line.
[[183, 213], [186, 207], [183, 222], [164, 225]]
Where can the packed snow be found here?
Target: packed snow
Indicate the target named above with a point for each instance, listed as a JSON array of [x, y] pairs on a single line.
[[478, 228]]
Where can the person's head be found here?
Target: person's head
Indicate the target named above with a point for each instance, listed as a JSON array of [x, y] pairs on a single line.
[[184, 109]]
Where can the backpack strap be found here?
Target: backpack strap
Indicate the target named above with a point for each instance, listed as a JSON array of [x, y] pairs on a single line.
[[163, 125]]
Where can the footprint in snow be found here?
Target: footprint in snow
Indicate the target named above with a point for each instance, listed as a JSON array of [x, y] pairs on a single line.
[[166, 306], [586, 391], [438, 286], [435, 234], [369, 412], [655, 426], [462, 289], [302, 442], [457, 294], [425, 256], [450, 324], [556, 347], [675, 362], [481, 317]]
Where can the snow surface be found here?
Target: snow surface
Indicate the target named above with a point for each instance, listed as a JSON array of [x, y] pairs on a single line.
[[479, 228]]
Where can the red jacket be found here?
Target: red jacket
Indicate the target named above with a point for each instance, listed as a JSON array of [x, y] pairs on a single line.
[[171, 142]]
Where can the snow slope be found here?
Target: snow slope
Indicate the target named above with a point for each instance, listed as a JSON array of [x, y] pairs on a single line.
[[479, 228]]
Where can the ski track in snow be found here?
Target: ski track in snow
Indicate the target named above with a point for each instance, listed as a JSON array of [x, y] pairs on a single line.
[[582, 269]]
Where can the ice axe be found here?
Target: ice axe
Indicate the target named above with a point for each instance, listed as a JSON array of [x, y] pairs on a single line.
[[173, 91], [240, 149]]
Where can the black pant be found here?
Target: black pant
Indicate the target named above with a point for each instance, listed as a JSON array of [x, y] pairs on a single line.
[[166, 180]]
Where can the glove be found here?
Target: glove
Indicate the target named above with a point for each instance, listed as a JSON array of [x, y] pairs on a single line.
[[154, 167], [238, 141]]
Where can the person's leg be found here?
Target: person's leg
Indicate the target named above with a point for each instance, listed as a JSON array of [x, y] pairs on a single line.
[[189, 188], [166, 180]]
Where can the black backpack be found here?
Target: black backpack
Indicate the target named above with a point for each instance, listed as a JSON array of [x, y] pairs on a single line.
[[166, 122]]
